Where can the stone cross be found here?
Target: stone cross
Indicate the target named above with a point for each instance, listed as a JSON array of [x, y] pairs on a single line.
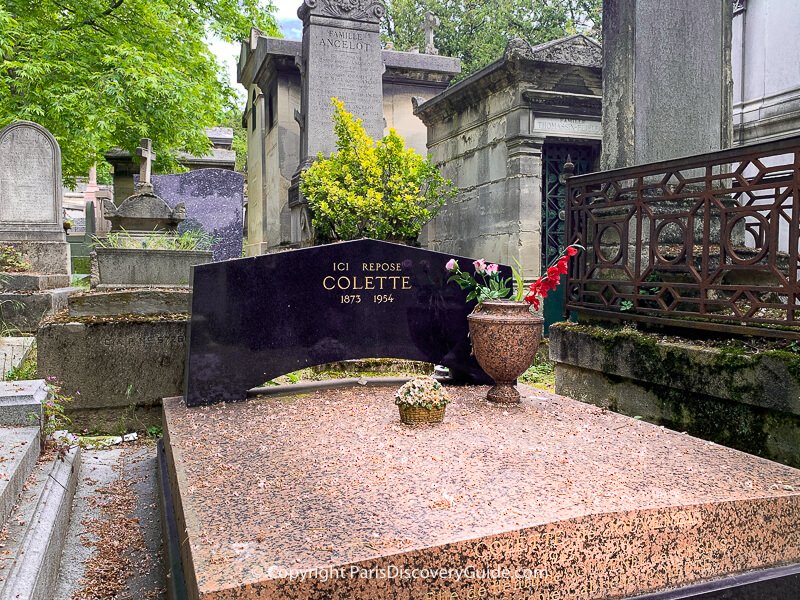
[[430, 23], [145, 150]]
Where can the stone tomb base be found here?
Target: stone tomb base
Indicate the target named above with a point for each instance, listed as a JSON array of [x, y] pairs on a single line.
[[117, 368], [326, 495]]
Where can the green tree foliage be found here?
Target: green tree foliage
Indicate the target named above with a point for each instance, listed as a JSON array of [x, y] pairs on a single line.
[[477, 31], [105, 73], [367, 188]]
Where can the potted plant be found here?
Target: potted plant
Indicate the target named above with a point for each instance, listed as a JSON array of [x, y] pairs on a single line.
[[505, 333], [421, 400]]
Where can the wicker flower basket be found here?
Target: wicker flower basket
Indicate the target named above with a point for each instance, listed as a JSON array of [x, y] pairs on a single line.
[[416, 415]]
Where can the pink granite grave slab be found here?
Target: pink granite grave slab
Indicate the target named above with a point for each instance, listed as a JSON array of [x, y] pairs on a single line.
[[327, 495]]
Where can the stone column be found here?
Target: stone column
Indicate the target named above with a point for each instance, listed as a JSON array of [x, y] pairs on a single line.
[[342, 59], [666, 79], [524, 181]]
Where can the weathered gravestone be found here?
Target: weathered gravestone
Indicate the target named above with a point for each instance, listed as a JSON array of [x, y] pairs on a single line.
[[31, 224], [214, 201], [146, 223], [341, 58], [122, 344], [31, 213], [257, 318]]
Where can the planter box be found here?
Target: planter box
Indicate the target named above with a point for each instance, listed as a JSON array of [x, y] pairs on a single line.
[[126, 267]]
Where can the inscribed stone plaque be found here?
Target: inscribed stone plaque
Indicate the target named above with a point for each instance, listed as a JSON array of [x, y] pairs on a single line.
[[254, 319], [30, 177], [578, 127], [214, 200], [342, 59]]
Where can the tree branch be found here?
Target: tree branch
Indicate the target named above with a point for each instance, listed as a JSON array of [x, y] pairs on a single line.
[[115, 4]]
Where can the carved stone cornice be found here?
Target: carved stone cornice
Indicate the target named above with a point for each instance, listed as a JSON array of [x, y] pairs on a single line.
[[370, 11]]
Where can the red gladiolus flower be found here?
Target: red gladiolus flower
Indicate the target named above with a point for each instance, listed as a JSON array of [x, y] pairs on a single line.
[[572, 251]]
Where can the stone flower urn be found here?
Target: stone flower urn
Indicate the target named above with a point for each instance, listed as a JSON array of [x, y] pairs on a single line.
[[505, 337]]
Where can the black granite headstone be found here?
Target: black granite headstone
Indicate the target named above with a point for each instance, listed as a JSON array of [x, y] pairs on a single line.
[[254, 319]]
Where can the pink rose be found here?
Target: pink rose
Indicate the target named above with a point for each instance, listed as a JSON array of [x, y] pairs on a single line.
[[451, 265], [492, 269], [480, 265]]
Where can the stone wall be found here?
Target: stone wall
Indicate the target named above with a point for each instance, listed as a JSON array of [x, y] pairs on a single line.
[[117, 369], [746, 400], [473, 150]]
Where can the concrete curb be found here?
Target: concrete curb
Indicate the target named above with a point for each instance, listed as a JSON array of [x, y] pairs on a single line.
[[19, 473], [329, 384], [176, 584], [35, 570]]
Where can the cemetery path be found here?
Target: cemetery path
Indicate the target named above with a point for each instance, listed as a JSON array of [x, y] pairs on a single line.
[[113, 545]]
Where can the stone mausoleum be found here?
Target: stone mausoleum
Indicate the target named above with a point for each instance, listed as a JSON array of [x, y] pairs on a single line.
[[503, 136], [284, 131], [766, 81]]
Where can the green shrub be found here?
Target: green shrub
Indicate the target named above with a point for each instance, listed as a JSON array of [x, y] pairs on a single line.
[[380, 190]]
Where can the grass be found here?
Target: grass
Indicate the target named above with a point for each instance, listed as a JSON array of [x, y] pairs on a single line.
[[542, 375], [26, 369], [191, 239], [81, 282]]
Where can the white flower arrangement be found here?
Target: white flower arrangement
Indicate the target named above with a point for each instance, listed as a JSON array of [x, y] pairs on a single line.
[[424, 392]]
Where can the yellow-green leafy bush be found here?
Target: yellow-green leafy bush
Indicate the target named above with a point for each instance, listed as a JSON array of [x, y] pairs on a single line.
[[367, 188]]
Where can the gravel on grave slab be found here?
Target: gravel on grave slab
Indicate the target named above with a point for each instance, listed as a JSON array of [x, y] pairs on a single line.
[[332, 477]]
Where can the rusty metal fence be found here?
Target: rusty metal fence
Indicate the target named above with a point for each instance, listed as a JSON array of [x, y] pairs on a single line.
[[707, 242]]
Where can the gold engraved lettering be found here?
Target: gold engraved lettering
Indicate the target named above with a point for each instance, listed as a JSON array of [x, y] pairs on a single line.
[[325, 285], [381, 267]]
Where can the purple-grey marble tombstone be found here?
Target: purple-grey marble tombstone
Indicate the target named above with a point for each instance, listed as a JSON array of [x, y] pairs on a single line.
[[214, 200]]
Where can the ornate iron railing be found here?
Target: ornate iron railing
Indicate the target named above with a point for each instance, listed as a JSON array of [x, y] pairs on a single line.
[[708, 241]]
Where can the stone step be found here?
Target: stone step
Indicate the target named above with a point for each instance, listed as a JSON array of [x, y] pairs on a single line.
[[130, 301], [21, 402], [19, 449], [13, 351], [37, 529], [21, 282], [99, 469], [22, 311]]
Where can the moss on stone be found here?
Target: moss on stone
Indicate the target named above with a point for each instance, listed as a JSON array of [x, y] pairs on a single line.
[[64, 317]]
